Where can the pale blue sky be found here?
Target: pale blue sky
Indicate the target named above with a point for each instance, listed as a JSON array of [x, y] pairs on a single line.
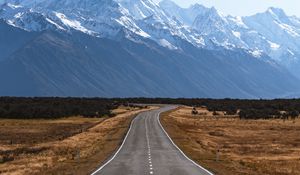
[[246, 7]]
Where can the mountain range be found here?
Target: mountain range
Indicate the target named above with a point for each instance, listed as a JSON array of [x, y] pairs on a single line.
[[272, 32], [137, 48]]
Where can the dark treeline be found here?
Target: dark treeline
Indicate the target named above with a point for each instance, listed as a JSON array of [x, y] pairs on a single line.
[[48, 108], [246, 109], [13, 107]]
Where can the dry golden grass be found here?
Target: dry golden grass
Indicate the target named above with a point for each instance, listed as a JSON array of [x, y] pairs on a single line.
[[21, 132], [251, 147], [64, 146], [123, 109]]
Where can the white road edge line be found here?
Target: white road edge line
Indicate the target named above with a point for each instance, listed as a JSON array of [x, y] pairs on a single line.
[[99, 169], [158, 119]]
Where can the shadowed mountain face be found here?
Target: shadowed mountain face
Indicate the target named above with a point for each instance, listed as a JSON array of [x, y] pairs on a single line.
[[12, 39], [53, 63]]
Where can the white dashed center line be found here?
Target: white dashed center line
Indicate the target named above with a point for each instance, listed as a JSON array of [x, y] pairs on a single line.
[[149, 149]]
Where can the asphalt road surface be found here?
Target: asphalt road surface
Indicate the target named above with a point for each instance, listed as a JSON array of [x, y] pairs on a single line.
[[148, 150]]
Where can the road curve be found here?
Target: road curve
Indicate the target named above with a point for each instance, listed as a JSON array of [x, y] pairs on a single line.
[[148, 150]]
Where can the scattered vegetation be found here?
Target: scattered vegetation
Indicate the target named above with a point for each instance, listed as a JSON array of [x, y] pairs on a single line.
[[96, 107]]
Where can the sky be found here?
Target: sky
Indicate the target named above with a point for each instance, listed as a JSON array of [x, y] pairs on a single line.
[[245, 7]]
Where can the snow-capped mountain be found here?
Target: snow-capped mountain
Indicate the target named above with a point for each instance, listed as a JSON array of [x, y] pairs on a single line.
[[141, 9], [104, 18], [26, 18], [148, 49], [231, 32], [271, 32], [283, 34]]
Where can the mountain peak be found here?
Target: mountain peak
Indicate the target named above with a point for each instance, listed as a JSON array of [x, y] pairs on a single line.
[[209, 21], [169, 4], [141, 9], [197, 7], [214, 13], [276, 12]]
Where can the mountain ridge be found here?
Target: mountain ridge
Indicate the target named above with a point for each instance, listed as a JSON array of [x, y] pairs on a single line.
[[121, 53], [271, 32]]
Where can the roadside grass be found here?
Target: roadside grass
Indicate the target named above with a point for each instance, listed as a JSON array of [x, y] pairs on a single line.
[[228, 145], [74, 145]]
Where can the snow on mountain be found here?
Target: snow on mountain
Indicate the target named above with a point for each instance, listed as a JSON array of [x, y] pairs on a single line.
[[227, 31], [103, 18], [26, 18], [271, 32], [277, 27], [159, 25], [237, 31], [215, 28], [141, 9], [283, 35], [184, 15]]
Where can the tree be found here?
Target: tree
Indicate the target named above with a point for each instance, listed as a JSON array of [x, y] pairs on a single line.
[[194, 111], [294, 114]]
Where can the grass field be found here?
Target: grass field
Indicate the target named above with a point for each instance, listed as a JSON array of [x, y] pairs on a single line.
[[74, 145], [228, 145]]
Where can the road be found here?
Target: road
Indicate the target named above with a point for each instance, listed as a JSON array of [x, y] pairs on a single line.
[[148, 150]]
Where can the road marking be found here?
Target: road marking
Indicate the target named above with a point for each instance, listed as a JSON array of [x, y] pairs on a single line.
[[158, 119], [149, 148], [99, 169]]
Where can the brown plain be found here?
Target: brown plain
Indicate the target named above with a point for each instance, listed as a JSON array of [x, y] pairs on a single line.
[[73, 145], [246, 147]]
